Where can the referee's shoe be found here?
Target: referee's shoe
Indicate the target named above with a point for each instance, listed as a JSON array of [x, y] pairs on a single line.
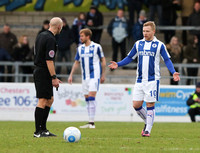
[[48, 134], [44, 133]]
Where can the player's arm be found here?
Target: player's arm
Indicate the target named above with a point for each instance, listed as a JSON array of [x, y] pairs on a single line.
[[103, 65], [74, 67], [168, 63]]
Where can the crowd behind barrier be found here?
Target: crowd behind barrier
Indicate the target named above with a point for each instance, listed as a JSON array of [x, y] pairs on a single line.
[[123, 31], [18, 76]]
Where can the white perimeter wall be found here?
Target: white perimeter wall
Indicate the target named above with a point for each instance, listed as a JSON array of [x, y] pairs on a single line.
[[17, 103]]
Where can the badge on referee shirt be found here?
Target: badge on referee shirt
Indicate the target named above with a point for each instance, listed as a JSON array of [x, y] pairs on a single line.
[[51, 53]]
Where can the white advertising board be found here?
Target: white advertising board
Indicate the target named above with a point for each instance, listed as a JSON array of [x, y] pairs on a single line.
[[114, 103]]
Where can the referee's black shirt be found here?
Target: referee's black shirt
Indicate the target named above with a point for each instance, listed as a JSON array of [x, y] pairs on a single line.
[[45, 48]]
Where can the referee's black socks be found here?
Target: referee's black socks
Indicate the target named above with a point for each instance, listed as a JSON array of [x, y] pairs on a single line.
[[45, 116], [39, 113]]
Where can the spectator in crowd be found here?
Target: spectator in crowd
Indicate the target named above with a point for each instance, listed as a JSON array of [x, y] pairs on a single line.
[[78, 24], [21, 53], [175, 50], [137, 31], [194, 103], [94, 19], [194, 20], [64, 40], [155, 5], [45, 26], [192, 56], [118, 30], [186, 10], [169, 16], [7, 42], [134, 5], [4, 56]]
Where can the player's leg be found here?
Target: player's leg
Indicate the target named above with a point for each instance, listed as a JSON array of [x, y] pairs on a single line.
[[137, 105], [87, 103], [93, 88], [85, 88], [151, 90], [150, 118], [138, 99], [140, 110], [92, 107]]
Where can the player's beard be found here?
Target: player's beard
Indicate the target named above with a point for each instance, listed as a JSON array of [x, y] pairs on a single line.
[[84, 41]]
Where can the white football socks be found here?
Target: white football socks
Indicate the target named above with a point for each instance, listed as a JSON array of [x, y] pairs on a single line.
[[91, 108], [150, 118], [142, 113]]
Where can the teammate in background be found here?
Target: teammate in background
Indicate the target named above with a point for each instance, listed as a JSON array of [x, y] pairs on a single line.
[[45, 75], [93, 64], [146, 87], [194, 103]]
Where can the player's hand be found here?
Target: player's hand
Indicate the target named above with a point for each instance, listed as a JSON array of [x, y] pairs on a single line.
[[55, 82], [70, 79], [102, 79], [176, 76], [113, 65]]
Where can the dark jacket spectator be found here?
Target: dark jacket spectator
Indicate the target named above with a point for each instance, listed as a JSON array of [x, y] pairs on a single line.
[[155, 6], [175, 50], [169, 16], [45, 26], [21, 53], [191, 50], [192, 55], [94, 19], [64, 40], [134, 5], [186, 10], [137, 31], [4, 56], [118, 30], [194, 19], [7, 41], [78, 24], [21, 50]]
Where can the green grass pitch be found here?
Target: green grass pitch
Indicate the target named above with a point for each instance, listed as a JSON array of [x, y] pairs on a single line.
[[108, 137]]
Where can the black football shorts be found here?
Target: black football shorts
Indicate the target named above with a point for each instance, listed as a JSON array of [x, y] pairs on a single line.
[[43, 83]]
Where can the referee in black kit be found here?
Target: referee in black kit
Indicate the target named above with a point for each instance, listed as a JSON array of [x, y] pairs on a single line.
[[45, 76]]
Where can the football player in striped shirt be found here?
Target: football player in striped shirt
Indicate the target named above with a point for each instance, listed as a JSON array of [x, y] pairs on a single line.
[[91, 58], [148, 50]]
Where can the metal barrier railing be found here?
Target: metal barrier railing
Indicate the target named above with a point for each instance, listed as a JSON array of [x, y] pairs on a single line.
[[17, 75]]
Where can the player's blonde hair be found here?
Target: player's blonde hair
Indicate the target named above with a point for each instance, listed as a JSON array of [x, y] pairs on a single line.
[[151, 24], [87, 32]]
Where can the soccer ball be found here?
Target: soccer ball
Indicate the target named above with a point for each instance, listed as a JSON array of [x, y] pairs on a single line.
[[72, 134]]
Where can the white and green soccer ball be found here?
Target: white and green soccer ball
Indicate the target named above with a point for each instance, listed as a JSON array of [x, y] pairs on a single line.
[[72, 134]]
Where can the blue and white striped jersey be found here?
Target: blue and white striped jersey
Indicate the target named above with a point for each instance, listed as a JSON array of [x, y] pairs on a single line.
[[148, 53], [89, 57]]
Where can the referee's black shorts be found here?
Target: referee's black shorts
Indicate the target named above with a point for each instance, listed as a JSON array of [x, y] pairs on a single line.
[[43, 83]]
